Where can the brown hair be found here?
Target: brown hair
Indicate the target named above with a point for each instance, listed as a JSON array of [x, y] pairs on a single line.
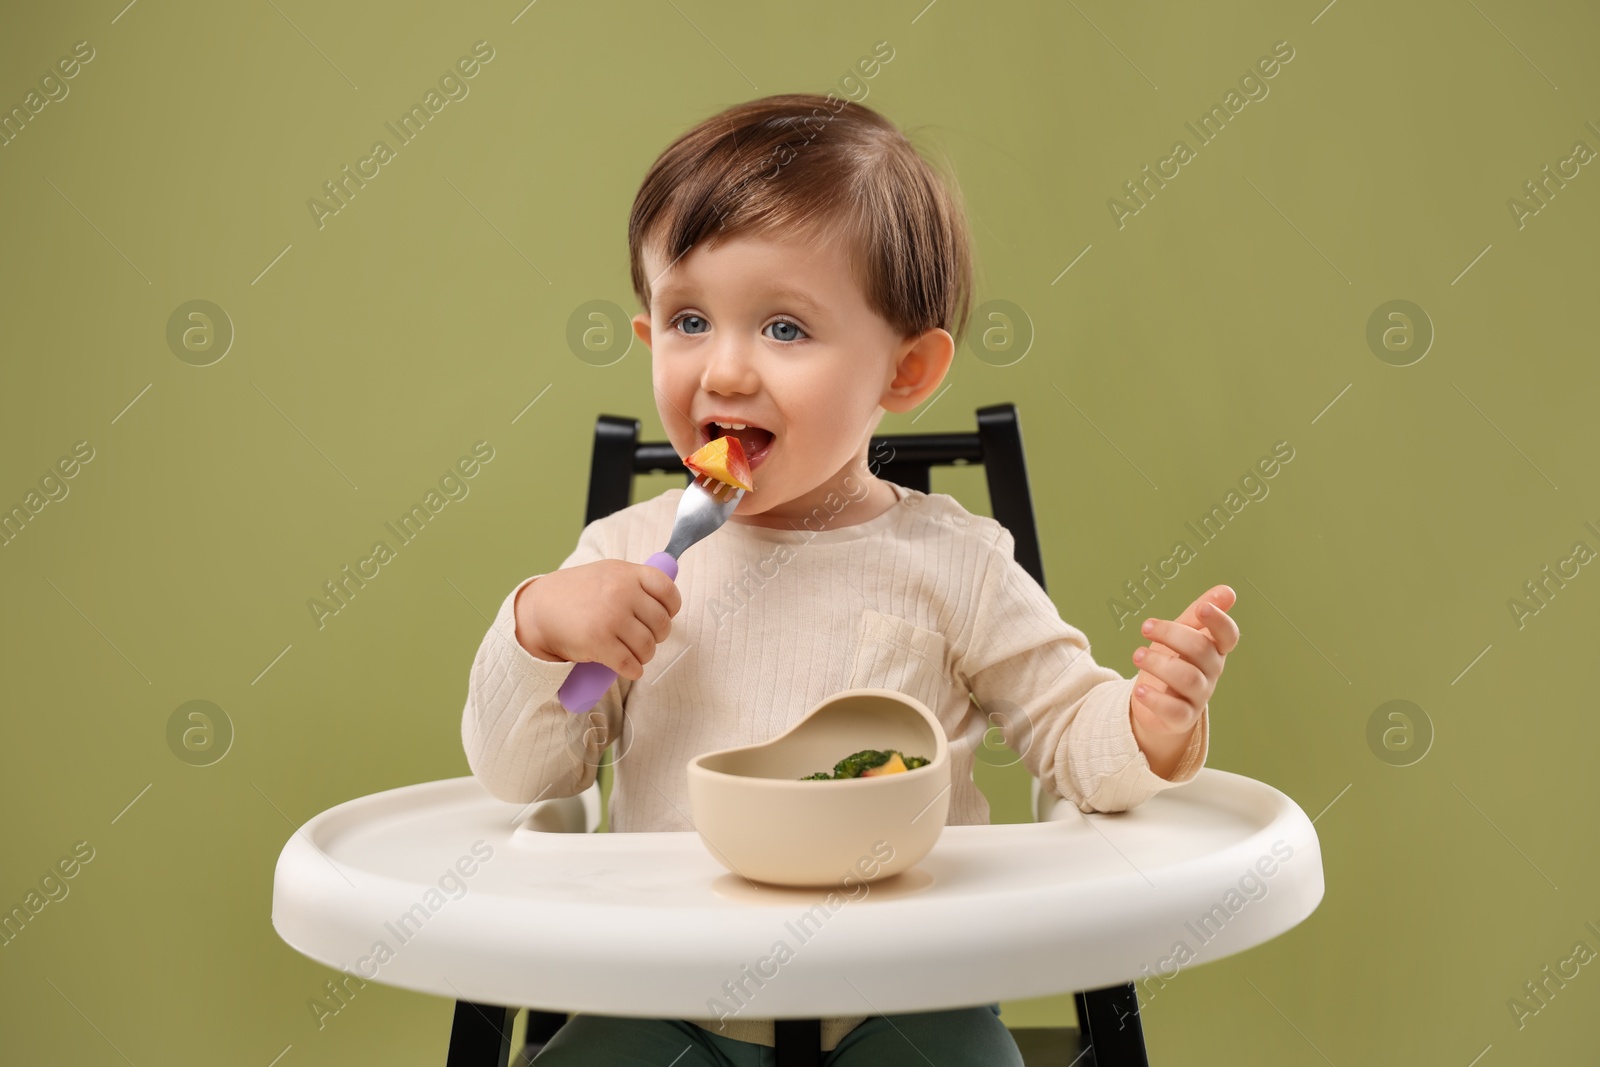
[[816, 167]]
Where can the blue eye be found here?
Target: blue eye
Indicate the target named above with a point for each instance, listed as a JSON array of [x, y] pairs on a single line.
[[792, 331], [687, 319]]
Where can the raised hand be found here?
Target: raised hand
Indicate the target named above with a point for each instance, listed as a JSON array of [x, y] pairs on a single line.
[[1178, 673]]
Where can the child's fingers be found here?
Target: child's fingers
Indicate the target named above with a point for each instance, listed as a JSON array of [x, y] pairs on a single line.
[[1188, 643], [654, 615], [664, 589], [636, 638], [1224, 631], [1221, 596], [622, 660], [1182, 677], [1173, 715]]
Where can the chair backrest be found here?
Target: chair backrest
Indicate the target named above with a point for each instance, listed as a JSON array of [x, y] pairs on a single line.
[[904, 459]]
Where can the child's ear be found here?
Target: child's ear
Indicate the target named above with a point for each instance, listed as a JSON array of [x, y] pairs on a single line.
[[641, 328], [924, 361]]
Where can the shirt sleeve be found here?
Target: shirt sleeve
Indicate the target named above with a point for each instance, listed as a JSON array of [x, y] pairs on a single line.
[[1066, 715], [520, 742]]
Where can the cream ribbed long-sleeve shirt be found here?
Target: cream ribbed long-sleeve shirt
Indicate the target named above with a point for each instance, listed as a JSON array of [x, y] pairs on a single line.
[[925, 599]]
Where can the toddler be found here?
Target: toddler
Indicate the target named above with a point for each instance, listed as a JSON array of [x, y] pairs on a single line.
[[803, 270]]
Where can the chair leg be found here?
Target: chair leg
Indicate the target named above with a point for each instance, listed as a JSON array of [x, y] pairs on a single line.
[[798, 1042], [480, 1035], [1109, 1018], [542, 1026]]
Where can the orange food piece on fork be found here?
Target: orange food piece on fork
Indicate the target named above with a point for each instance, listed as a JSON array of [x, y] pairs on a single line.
[[724, 460]]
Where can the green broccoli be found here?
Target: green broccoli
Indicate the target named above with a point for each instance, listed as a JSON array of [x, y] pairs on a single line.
[[856, 764]]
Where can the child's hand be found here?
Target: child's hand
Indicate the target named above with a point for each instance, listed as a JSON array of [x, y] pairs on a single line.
[[609, 611], [1179, 671]]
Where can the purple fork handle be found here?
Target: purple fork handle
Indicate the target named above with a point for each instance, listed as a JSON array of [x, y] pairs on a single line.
[[588, 682]]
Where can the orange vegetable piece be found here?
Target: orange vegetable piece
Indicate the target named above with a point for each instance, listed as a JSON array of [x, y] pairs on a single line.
[[893, 765]]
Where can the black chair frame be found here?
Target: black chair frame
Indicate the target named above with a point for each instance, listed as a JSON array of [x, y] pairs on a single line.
[[1110, 1030]]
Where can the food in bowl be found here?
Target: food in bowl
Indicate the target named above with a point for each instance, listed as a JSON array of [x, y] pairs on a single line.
[[724, 460], [870, 763], [763, 824]]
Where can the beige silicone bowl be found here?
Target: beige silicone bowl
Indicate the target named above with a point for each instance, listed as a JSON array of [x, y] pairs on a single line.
[[760, 821]]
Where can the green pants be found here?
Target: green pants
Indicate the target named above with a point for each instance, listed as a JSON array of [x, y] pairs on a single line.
[[961, 1037]]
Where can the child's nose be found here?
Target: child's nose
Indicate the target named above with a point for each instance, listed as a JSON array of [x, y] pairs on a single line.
[[730, 367]]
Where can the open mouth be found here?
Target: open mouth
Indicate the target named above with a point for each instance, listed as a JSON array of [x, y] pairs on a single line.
[[756, 441]]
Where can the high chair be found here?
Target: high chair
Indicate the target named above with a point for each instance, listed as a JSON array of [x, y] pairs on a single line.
[[554, 914], [1108, 1018]]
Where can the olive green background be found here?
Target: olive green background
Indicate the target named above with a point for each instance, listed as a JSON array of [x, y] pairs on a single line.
[[369, 354]]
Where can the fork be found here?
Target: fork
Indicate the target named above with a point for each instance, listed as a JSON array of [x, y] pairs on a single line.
[[702, 510]]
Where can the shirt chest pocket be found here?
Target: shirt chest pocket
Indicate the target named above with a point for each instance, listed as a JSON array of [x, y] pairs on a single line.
[[892, 653]]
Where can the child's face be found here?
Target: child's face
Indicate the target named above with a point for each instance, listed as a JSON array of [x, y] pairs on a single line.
[[776, 333]]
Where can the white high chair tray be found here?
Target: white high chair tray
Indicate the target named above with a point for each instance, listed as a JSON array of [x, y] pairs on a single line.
[[650, 924]]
